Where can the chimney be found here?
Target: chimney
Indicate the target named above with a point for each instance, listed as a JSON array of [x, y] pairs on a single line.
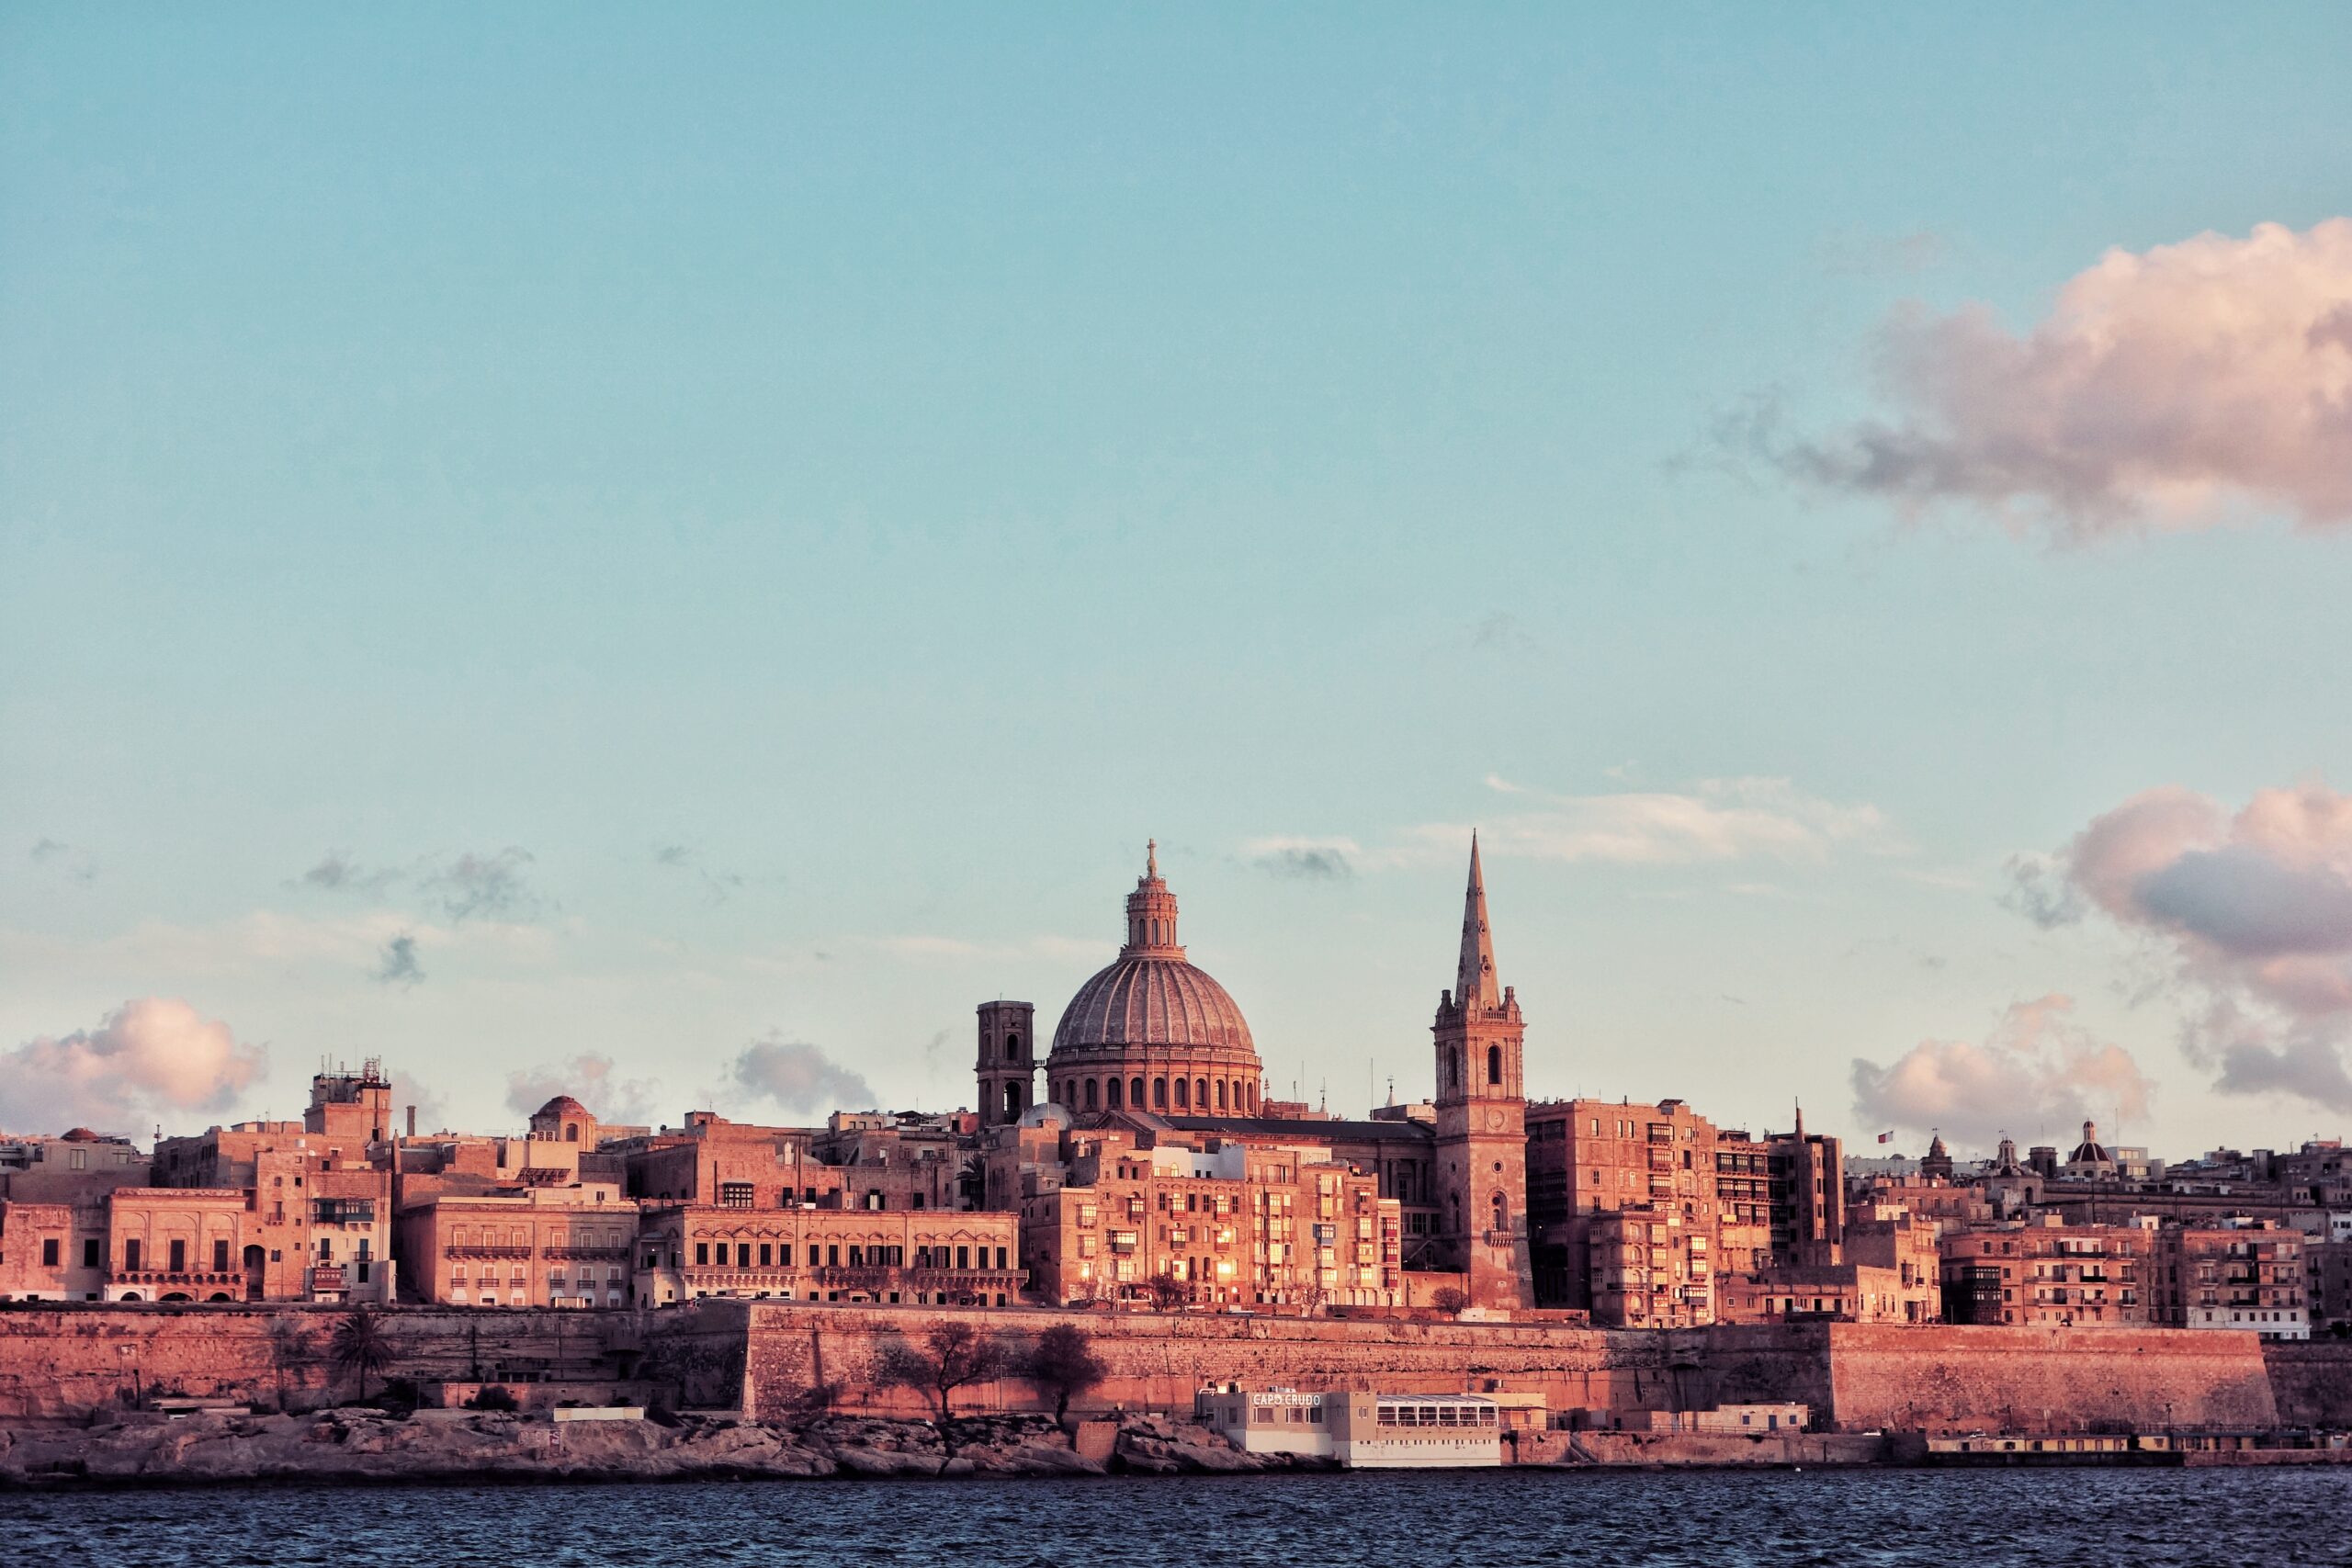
[[412, 1120]]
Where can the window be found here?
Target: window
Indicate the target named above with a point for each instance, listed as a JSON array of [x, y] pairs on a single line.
[[1111, 1094], [783, 1254], [220, 1257], [702, 1253], [49, 1252], [766, 1251], [131, 1256], [1494, 1064], [735, 1194], [91, 1250], [742, 1255], [1160, 1093], [963, 1257]]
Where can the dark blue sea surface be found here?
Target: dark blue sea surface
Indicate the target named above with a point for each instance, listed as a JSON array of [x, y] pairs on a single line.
[[2054, 1518]]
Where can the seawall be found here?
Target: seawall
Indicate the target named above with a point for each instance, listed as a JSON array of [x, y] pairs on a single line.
[[774, 1359]]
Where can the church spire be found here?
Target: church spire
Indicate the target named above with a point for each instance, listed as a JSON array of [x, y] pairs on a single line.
[[1474, 981]]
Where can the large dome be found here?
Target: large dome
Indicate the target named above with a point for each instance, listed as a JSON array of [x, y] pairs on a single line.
[[1151, 1032], [1152, 1001]]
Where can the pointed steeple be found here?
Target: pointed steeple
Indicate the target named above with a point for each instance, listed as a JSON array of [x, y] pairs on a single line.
[[1474, 988]]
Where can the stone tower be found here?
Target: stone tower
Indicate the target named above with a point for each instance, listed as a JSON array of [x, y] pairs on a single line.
[[1007, 1063], [1481, 1164]]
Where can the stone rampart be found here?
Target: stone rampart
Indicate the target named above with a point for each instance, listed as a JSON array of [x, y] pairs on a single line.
[[775, 1359], [2047, 1379], [2312, 1381], [64, 1361]]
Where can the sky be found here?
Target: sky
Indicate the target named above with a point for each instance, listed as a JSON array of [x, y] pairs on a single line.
[[670, 552]]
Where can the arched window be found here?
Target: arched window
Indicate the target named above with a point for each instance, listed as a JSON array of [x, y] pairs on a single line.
[[1013, 1047], [1111, 1093], [571, 1132], [1201, 1093], [1494, 1064], [1220, 1094], [1159, 1094], [1090, 1094], [1180, 1097], [1253, 1100], [1012, 1099], [1503, 1213]]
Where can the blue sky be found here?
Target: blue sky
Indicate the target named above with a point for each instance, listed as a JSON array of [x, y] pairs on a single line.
[[717, 523]]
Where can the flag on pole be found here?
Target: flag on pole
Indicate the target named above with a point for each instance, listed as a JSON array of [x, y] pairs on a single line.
[[1886, 1137]]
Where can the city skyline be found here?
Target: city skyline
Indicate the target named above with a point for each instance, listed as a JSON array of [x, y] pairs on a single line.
[[671, 564]]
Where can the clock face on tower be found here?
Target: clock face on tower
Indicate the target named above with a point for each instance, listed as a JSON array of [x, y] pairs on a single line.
[[1495, 1120]]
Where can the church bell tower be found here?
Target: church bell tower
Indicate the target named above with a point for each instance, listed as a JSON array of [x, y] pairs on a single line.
[[1007, 1065], [1481, 1154]]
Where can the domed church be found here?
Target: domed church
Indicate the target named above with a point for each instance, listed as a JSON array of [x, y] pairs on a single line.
[[1152, 1032]]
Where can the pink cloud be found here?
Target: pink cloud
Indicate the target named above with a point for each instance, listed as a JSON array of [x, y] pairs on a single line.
[[152, 1055], [2173, 386], [2038, 1073], [2254, 911]]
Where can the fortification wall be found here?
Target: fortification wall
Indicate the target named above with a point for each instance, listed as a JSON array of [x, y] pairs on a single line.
[[1156, 1363], [66, 1360], [2312, 1381], [2046, 1379], [766, 1358]]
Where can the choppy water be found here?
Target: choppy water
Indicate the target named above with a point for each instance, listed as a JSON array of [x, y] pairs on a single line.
[[2053, 1518]]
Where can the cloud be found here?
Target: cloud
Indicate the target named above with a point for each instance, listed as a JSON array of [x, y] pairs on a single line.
[[2175, 386], [800, 1078], [397, 964], [1721, 819], [76, 865], [2037, 1072], [1305, 860], [717, 884], [152, 1055], [493, 885], [588, 1078], [432, 1109], [2254, 912], [336, 872]]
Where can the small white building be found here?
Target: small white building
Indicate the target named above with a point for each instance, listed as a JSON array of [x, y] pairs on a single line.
[[1414, 1431], [1266, 1420]]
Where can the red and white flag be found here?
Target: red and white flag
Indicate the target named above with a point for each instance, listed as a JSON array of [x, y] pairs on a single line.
[[1886, 1137]]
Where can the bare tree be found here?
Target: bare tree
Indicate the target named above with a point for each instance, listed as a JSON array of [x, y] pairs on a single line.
[[1063, 1361], [1167, 1292], [951, 1356], [1449, 1299]]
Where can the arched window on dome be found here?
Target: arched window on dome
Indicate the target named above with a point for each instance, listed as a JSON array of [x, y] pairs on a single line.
[[1090, 1094], [1135, 1094], [1182, 1102], [1494, 1064], [1111, 1093], [1253, 1100], [1159, 1094], [1199, 1094], [571, 1132], [1220, 1094]]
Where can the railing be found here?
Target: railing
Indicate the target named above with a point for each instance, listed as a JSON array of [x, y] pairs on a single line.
[[170, 1277]]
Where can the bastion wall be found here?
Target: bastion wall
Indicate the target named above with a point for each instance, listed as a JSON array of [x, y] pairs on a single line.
[[775, 1359]]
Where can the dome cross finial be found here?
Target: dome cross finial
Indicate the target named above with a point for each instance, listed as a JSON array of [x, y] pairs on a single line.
[[1151, 857]]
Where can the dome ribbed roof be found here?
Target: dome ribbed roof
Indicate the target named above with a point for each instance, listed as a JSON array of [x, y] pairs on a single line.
[[1152, 1001], [1150, 996]]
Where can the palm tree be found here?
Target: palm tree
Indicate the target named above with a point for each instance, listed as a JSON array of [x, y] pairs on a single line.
[[359, 1346]]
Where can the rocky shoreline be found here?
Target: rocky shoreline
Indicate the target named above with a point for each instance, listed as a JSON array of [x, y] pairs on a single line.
[[368, 1446]]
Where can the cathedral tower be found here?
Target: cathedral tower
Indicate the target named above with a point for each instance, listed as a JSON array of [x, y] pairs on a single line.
[[1007, 1065], [1481, 1164]]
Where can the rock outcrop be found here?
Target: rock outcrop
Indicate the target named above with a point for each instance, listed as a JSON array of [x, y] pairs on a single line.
[[354, 1444]]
